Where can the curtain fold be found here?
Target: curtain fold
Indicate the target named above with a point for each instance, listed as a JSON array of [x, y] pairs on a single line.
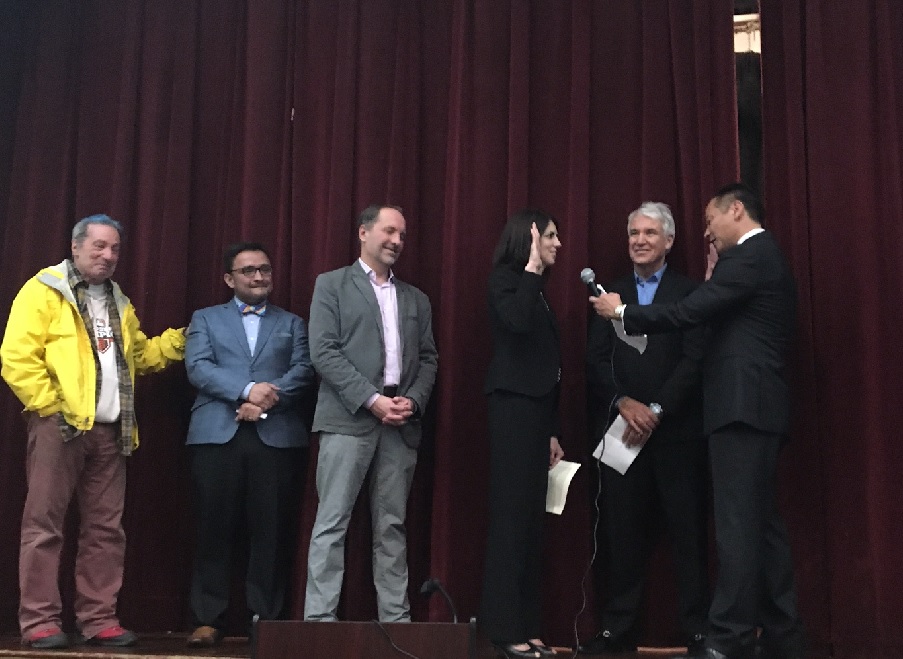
[[833, 165], [201, 123]]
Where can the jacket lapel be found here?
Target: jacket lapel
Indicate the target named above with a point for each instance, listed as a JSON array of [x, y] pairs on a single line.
[[629, 294], [404, 299], [663, 292], [362, 282], [267, 322], [236, 327]]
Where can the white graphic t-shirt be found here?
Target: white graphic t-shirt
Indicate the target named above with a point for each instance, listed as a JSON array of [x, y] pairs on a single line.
[[108, 401]]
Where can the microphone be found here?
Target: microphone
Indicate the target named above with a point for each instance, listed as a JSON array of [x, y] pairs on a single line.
[[588, 277], [432, 585]]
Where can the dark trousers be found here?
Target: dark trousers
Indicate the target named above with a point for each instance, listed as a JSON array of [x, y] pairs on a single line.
[[520, 428], [755, 573], [668, 478], [244, 484]]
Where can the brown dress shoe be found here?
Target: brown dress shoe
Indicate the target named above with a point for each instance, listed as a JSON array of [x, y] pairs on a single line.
[[205, 636]]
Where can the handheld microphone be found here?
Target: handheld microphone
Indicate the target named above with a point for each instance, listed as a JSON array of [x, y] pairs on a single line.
[[588, 277]]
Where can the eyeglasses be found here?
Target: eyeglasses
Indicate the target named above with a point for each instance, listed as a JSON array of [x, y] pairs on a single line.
[[251, 270]]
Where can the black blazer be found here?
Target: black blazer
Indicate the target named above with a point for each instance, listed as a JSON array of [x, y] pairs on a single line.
[[749, 305], [669, 371], [526, 357]]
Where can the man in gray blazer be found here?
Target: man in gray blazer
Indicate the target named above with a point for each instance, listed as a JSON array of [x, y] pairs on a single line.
[[250, 363], [372, 344]]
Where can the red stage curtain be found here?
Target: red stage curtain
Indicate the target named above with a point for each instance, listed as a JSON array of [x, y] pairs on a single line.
[[200, 123], [833, 131]]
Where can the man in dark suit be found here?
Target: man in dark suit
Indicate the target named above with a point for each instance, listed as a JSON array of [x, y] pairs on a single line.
[[372, 344], [250, 363], [659, 394], [749, 306]]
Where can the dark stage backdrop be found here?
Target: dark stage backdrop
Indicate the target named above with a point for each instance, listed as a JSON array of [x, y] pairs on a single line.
[[201, 122], [833, 165]]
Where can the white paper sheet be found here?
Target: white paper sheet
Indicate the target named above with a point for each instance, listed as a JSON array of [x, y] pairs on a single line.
[[637, 341], [612, 450], [559, 481]]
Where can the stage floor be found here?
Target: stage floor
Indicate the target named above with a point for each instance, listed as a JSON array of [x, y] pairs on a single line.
[[172, 646]]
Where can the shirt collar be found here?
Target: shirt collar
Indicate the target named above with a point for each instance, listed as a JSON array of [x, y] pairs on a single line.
[[749, 234], [75, 279], [654, 278], [241, 305], [372, 274]]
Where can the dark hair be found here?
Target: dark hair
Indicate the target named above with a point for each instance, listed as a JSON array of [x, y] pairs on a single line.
[[235, 249], [513, 247], [368, 216], [745, 195]]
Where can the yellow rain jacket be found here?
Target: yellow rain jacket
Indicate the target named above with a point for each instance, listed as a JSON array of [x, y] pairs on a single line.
[[47, 356]]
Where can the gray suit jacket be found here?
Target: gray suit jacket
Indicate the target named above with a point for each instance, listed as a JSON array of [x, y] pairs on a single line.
[[346, 347], [220, 365]]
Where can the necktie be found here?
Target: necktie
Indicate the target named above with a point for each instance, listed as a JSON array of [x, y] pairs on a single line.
[[258, 310]]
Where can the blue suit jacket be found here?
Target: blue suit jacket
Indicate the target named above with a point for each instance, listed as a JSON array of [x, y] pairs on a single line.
[[220, 365]]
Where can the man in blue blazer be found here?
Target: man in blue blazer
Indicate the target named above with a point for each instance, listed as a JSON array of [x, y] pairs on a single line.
[[372, 344], [250, 363], [749, 308]]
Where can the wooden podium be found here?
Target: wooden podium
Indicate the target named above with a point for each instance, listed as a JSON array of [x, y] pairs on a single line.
[[291, 639]]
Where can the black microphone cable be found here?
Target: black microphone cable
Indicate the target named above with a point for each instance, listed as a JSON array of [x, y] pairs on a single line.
[[397, 649], [596, 507]]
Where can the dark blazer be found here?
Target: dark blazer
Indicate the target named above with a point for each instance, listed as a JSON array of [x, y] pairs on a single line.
[[526, 358], [346, 346], [749, 305], [669, 372], [220, 365]]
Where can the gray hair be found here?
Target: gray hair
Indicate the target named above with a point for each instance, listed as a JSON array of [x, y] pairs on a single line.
[[80, 230], [655, 210]]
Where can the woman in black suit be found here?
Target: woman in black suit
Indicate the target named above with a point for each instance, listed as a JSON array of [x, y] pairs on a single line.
[[522, 388]]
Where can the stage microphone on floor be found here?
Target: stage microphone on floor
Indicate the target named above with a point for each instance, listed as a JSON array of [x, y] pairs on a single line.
[[588, 277], [430, 586]]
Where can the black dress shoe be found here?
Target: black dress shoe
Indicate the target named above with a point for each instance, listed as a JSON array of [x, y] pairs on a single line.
[[508, 650], [696, 645], [606, 643]]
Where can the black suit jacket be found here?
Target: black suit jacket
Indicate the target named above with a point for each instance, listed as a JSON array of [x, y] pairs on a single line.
[[749, 305], [669, 371], [525, 357]]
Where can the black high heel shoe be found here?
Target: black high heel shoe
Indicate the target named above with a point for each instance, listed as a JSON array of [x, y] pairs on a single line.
[[508, 651]]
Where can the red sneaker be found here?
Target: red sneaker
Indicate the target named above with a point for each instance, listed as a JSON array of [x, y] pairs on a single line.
[[47, 639], [114, 637]]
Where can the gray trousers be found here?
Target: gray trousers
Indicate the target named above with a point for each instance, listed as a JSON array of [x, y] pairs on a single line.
[[342, 466]]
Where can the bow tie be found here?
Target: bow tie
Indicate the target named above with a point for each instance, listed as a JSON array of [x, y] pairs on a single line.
[[257, 310]]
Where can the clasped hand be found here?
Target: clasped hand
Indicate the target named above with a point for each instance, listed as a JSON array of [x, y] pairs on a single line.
[[248, 412], [264, 395], [392, 411]]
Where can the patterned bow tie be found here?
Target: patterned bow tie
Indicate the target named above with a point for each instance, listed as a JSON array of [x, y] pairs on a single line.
[[258, 310]]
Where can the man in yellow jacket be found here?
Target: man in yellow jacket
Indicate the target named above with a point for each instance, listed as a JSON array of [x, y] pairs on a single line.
[[72, 348]]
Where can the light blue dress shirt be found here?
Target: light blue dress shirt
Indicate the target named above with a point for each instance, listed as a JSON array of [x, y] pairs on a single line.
[[645, 288]]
